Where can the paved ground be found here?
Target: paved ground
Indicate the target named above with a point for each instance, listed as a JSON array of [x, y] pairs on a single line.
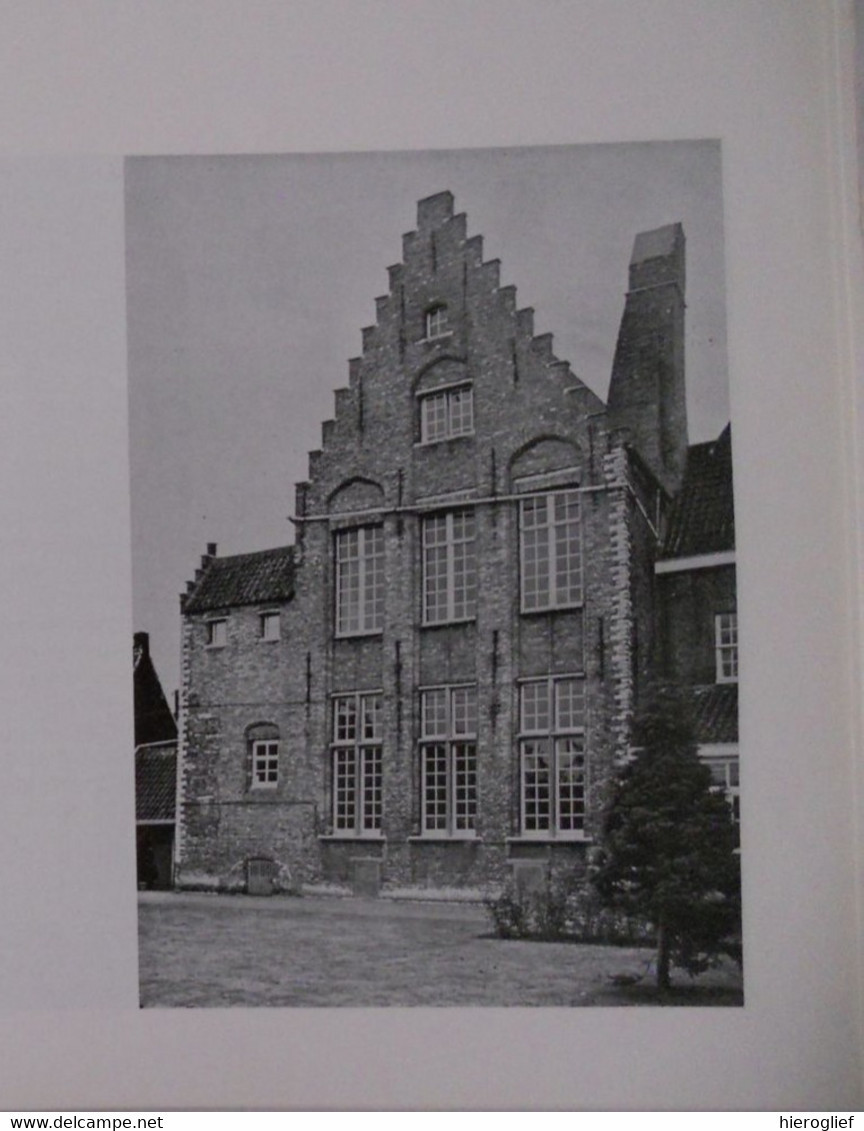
[[216, 950]]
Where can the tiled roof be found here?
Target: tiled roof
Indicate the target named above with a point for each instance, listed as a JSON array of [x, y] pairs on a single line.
[[716, 713], [155, 782], [244, 579], [702, 516]]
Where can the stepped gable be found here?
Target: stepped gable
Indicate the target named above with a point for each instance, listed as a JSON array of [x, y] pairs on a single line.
[[156, 782], [716, 713], [441, 263], [702, 516], [243, 579]]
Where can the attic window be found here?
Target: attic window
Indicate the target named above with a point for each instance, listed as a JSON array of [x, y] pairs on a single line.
[[436, 322], [270, 626], [217, 633], [446, 414]]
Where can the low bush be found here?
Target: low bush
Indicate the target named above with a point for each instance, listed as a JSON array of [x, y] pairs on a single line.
[[564, 910]]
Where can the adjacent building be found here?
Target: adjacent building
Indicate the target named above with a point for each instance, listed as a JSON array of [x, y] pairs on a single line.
[[155, 771], [697, 606], [432, 687]]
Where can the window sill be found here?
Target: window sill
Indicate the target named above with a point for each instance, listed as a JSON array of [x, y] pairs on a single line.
[[366, 838], [444, 440], [448, 838], [553, 609], [550, 838], [448, 623], [269, 639], [443, 337], [358, 635]]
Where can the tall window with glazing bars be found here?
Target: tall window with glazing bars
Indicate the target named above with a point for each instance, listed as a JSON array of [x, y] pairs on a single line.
[[449, 567], [359, 581], [357, 764], [550, 528], [448, 761], [552, 755]]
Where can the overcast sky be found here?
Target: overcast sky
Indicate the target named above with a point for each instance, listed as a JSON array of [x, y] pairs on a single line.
[[249, 279]]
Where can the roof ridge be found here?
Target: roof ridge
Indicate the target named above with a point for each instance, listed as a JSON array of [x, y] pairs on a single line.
[[288, 548]]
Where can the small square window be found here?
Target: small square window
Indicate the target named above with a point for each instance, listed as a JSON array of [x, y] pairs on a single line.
[[446, 414], [270, 626], [436, 322], [265, 765], [217, 633]]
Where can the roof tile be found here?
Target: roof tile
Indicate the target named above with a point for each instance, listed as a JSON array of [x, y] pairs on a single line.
[[702, 516], [716, 713], [244, 579], [155, 782]]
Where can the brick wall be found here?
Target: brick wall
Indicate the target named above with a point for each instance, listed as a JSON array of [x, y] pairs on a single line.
[[689, 602], [536, 426]]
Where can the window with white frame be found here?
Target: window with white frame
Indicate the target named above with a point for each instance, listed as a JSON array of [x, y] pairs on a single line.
[[726, 647], [550, 530], [359, 581], [552, 757], [449, 567], [269, 625], [446, 414], [265, 763], [725, 779], [217, 633], [357, 764], [448, 761], [436, 322]]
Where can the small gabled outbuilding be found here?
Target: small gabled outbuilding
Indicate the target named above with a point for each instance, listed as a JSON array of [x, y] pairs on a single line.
[[155, 771]]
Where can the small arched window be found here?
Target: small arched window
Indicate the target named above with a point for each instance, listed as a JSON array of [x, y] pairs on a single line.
[[262, 741], [436, 322]]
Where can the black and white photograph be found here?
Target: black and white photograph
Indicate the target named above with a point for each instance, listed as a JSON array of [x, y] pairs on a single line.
[[448, 415], [433, 551]]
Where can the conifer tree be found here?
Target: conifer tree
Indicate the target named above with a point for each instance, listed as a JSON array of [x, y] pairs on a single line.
[[669, 846]]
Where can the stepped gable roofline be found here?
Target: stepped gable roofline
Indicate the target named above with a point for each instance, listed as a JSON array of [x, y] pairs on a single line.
[[715, 716], [702, 516], [243, 579]]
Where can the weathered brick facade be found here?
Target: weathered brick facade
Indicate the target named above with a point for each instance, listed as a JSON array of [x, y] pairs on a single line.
[[465, 464]]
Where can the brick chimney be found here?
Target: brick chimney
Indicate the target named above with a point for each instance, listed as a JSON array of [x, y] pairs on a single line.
[[647, 394]]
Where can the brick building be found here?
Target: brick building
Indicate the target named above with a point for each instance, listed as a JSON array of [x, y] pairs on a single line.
[[697, 606], [432, 686]]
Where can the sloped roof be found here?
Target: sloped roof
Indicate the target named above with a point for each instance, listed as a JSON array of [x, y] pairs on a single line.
[[244, 579], [702, 516], [155, 782], [154, 721], [716, 713]]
